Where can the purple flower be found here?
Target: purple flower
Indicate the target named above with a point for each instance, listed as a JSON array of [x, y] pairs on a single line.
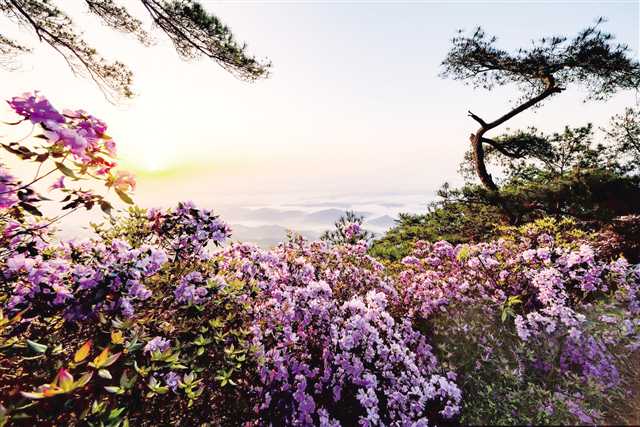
[[188, 291], [58, 183], [36, 108], [352, 230], [172, 380], [157, 344], [125, 307], [68, 138]]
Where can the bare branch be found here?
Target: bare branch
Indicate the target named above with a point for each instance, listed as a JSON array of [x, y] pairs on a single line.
[[477, 119]]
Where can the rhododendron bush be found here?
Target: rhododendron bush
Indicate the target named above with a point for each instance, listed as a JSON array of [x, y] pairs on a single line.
[[155, 319]]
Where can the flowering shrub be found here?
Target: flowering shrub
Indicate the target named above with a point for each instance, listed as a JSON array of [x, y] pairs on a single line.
[[76, 143], [154, 320], [530, 309], [82, 278], [186, 231], [345, 364], [348, 229], [329, 352]]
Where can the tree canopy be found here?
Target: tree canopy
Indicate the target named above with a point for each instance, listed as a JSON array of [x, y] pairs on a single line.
[[624, 135], [591, 59], [194, 32], [587, 175]]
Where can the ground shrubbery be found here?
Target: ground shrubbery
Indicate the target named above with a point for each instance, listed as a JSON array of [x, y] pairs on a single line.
[[531, 328], [152, 321]]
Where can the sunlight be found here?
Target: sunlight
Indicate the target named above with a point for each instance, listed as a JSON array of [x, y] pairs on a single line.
[[352, 237], [154, 163]]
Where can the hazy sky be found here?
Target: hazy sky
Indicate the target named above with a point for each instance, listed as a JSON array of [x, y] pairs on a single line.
[[354, 103]]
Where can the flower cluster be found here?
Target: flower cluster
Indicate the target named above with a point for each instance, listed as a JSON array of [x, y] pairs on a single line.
[[83, 278], [191, 289], [35, 108], [187, 231], [76, 132], [117, 272], [549, 292], [352, 230], [74, 144], [346, 364], [331, 352], [157, 344]]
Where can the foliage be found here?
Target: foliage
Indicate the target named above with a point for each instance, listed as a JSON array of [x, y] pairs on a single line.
[[526, 154], [448, 219], [563, 174], [347, 229], [153, 319], [591, 60], [624, 136], [193, 31], [538, 327]]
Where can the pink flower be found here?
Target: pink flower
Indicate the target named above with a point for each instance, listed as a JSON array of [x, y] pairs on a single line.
[[124, 181], [110, 146], [352, 230], [58, 183]]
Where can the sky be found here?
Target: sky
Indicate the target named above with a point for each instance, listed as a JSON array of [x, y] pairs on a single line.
[[353, 107]]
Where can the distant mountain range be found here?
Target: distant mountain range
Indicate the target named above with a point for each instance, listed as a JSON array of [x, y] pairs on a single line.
[[385, 222], [266, 235], [284, 216]]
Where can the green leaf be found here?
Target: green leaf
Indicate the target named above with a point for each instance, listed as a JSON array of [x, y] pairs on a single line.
[[104, 373], [65, 170], [30, 208], [38, 348], [126, 382], [98, 407], [124, 196], [84, 380], [42, 157], [106, 207], [115, 413], [513, 300], [114, 389]]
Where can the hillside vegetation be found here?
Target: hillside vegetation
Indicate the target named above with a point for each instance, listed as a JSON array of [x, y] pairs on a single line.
[[514, 300]]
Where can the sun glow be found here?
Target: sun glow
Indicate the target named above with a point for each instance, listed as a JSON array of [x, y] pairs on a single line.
[[154, 163], [151, 161]]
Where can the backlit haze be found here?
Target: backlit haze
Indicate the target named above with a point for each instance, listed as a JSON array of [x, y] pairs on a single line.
[[354, 114]]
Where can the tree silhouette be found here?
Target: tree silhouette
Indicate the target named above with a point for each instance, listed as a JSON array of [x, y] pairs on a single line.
[[193, 31], [624, 134], [348, 229], [591, 60]]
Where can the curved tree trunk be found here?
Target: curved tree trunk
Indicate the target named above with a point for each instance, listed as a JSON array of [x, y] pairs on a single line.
[[478, 158], [478, 138]]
